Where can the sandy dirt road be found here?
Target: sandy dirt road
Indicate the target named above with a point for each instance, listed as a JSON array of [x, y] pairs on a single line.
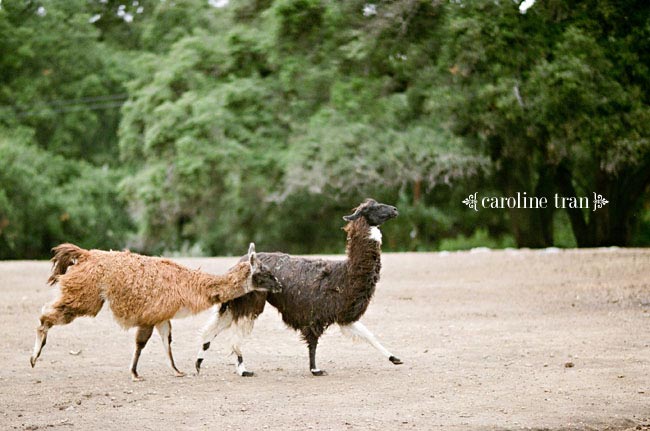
[[486, 338]]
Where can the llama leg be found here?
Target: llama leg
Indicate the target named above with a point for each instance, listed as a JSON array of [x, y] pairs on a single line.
[[312, 358], [56, 314], [358, 329], [142, 335], [312, 342], [241, 368], [217, 323], [41, 340], [243, 328], [165, 331]]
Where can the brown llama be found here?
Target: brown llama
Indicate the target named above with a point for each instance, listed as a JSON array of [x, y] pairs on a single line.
[[316, 293], [141, 291]]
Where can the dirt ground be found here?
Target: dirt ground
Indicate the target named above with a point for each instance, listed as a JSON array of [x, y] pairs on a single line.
[[487, 339]]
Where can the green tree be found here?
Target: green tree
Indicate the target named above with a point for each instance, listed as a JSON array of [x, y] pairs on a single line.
[[202, 135], [554, 97], [56, 78], [47, 199], [290, 102]]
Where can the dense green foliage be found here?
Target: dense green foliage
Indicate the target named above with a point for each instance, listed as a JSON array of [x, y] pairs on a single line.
[[179, 126], [47, 199]]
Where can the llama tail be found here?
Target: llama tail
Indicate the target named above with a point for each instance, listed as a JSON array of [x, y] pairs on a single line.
[[64, 255]]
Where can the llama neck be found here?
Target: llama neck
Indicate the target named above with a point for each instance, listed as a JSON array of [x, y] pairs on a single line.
[[363, 262], [363, 246], [223, 288]]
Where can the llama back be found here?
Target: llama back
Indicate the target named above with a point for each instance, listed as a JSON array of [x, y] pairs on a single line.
[[143, 290], [313, 289], [140, 290]]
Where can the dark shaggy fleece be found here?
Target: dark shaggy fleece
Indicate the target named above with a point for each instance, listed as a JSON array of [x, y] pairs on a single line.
[[317, 293]]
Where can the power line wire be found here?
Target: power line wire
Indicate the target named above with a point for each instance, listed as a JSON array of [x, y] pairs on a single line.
[[71, 105], [78, 101]]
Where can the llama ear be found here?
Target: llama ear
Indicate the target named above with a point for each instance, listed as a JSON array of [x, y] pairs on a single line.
[[354, 216], [252, 256]]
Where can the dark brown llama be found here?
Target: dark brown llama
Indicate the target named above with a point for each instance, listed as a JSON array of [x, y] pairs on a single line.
[[316, 293]]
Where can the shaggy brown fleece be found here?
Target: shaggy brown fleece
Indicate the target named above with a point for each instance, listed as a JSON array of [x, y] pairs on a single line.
[[141, 291]]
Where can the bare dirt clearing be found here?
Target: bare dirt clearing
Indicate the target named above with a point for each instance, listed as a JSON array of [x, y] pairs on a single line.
[[486, 338]]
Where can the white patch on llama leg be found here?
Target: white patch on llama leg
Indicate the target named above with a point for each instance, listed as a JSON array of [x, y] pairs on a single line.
[[357, 330], [242, 329], [241, 368], [216, 324], [165, 331]]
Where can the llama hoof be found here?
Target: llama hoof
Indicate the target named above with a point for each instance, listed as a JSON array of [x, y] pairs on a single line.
[[395, 360], [137, 379], [247, 374], [197, 365], [318, 372], [179, 374], [32, 361]]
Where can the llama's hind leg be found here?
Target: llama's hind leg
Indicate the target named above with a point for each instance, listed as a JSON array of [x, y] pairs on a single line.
[[243, 329], [165, 331], [41, 340], [241, 368], [58, 313], [142, 335], [358, 330], [311, 337], [217, 324]]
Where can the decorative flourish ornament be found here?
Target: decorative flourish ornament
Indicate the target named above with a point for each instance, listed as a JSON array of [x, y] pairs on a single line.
[[599, 201], [472, 201]]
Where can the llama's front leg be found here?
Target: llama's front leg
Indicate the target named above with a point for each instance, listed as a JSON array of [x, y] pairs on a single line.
[[358, 329], [217, 323], [142, 335], [165, 331]]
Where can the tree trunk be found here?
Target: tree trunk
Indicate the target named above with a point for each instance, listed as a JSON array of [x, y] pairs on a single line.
[[612, 224], [576, 216], [530, 227], [417, 191], [546, 188]]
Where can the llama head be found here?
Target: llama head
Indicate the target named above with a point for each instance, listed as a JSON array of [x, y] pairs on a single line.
[[261, 278], [374, 212]]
